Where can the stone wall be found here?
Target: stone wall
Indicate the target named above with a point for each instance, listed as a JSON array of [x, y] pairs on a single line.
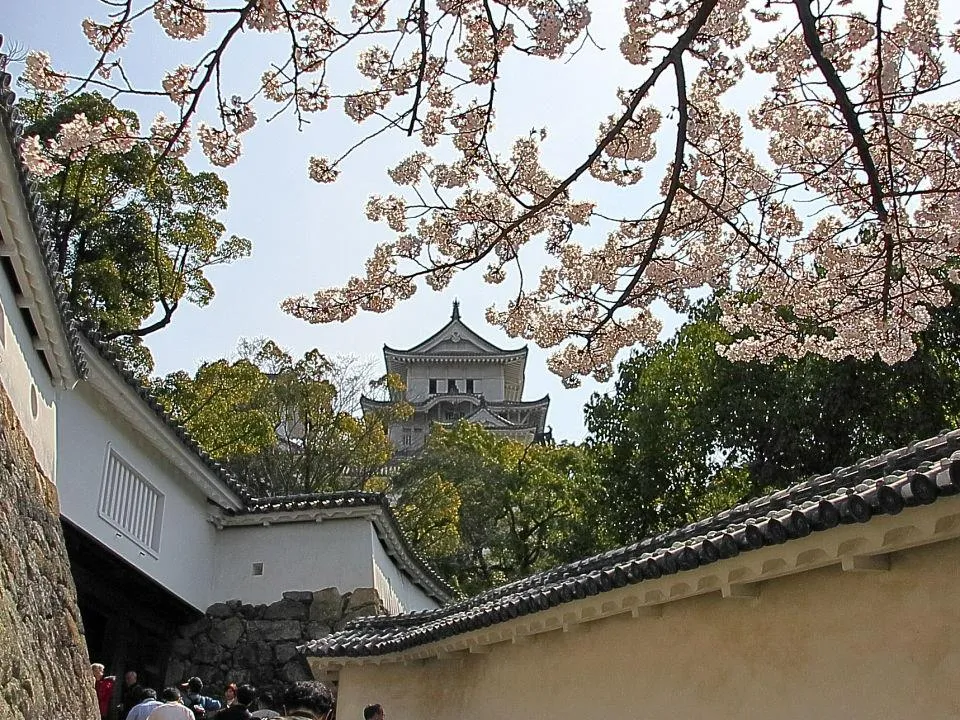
[[44, 668], [241, 643]]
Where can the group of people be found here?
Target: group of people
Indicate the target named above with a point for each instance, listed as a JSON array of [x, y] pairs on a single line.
[[307, 699]]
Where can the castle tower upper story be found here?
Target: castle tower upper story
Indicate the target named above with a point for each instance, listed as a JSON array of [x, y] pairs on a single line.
[[455, 374]]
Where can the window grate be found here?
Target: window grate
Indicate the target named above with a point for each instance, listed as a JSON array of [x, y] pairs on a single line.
[[131, 504]]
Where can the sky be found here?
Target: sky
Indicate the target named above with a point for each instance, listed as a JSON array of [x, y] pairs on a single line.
[[306, 236]]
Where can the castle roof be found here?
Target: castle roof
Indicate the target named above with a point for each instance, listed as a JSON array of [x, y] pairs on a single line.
[[453, 340], [836, 504]]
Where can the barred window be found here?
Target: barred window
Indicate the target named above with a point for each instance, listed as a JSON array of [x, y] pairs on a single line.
[[131, 504]]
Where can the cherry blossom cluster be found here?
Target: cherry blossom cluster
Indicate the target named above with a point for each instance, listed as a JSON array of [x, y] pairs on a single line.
[[75, 140], [837, 236]]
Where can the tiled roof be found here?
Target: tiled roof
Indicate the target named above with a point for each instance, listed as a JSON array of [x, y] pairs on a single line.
[[106, 352], [13, 134], [392, 534], [915, 475]]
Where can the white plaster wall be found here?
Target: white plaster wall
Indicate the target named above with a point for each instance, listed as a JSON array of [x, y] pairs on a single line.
[[295, 556], [390, 582], [27, 382], [490, 376], [184, 564]]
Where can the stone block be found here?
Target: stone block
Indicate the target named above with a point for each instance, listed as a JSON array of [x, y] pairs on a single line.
[[276, 630], [296, 670], [316, 630], [227, 632], [205, 652], [253, 655], [248, 611], [286, 610], [303, 596], [285, 652], [219, 610], [327, 606], [362, 599], [181, 647], [195, 628]]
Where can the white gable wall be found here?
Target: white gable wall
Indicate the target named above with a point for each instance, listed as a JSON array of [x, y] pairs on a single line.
[[27, 381], [397, 591], [183, 561], [295, 556]]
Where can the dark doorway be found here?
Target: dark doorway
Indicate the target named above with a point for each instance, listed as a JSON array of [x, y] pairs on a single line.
[[129, 619]]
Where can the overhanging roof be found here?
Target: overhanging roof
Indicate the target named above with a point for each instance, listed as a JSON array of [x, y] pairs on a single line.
[[846, 504]]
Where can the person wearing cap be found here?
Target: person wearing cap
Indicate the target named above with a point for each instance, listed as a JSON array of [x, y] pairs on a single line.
[[194, 698]]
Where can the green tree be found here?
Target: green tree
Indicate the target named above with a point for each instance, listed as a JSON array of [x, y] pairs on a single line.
[[222, 405], [521, 508], [685, 432], [324, 442], [284, 425], [135, 231]]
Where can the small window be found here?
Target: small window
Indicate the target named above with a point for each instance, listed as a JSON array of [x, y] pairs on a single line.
[[131, 504], [470, 385], [34, 402], [407, 437], [452, 386], [256, 569], [3, 328], [433, 387]]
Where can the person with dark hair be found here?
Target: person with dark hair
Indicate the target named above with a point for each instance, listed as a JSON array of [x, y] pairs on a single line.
[[172, 708], [201, 705], [373, 712], [147, 703], [308, 699], [240, 710], [265, 705]]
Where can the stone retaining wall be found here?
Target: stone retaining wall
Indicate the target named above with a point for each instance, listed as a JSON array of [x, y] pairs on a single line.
[[44, 668], [241, 643]]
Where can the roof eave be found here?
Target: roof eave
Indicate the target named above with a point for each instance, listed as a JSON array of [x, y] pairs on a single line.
[[114, 389]]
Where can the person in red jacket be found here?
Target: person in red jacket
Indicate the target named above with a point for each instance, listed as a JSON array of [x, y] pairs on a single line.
[[104, 687]]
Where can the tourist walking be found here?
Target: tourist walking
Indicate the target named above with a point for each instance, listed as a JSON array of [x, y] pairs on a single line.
[[172, 708], [148, 703], [104, 688], [131, 693], [194, 698]]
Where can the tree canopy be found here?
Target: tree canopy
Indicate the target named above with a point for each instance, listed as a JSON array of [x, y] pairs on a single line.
[[284, 424], [686, 432], [488, 509], [135, 231], [808, 155]]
